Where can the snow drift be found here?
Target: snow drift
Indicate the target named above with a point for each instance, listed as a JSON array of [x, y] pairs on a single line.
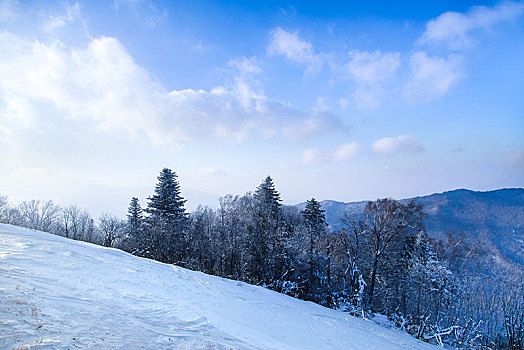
[[60, 293]]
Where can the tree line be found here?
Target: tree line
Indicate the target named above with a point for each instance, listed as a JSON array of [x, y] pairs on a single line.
[[380, 262]]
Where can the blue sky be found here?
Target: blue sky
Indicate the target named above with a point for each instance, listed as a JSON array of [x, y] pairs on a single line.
[[339, 100]]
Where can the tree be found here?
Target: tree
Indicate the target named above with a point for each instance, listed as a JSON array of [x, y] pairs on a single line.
[[167, 219], [353, 281], [167, 201], [77, 224], [203, 248], [39, 215], [111, 228], [134, 214], [135, 239], [264, 232], [233, 219], [387, 220], [4, 209], [315, 223]]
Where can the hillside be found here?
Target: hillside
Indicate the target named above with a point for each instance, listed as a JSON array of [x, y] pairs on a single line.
[[60, 293], [492, 220]]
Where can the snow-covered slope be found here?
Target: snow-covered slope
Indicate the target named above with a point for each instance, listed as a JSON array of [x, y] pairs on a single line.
[[59, 293]]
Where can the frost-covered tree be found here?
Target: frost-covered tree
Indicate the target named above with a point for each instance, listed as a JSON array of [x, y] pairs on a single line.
[[135, 240], [111, 228], [39, 215], [134, 214], [265, 241], [203, 248], [4, 209], [233, 219], [386, 222], [349, 244], [167, 219], [77, 224], [167, 202], [315, 224]]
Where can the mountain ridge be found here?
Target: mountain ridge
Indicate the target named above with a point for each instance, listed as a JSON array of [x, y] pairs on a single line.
[[492, 220]]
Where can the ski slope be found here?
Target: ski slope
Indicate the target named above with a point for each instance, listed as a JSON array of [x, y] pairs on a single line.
[[60, 293]]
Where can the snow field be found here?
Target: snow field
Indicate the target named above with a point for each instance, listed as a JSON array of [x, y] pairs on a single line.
[[57, 293]]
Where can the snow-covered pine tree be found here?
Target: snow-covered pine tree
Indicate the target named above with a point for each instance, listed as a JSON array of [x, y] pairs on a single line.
[[167, 201], [264, 234], [167, 218], [134, 213], [136, 240], [315, 223], [268, 200]]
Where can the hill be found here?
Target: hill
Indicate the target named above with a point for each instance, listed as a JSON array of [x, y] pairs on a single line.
[[60, 293], [493, 221]]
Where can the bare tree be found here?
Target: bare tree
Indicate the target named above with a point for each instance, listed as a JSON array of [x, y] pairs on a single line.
[[38, 215], [49, 214], [77, 224], [29, 212], [385, 221], [4, 209], [111, 228]]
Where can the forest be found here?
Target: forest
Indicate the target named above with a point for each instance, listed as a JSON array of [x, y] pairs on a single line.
[[381, 262]]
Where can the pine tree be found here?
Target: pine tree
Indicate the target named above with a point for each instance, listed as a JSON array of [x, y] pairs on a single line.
[[167, 219], [315, 223], [265, 231], [136, 240], [134, 213], [268, 200], [167, 202]]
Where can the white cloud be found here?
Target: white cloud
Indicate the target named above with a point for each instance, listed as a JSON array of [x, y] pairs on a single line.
[[147, 12], [315, 123], [455, 29], [16, 114], [294, 49], [211, 171], [372, 67], [102, 83], [431, 76], [391, 146], [72, 13], [309, 155], [371, 72], [347, 151], [244, 66]]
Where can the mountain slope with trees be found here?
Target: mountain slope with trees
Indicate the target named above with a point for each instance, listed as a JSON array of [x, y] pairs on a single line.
[[445, 287], [492, 222]]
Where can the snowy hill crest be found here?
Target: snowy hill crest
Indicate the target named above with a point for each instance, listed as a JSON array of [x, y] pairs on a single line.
[[58, 293]]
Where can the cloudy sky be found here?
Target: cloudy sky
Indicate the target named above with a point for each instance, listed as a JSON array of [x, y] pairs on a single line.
[[336, 101]]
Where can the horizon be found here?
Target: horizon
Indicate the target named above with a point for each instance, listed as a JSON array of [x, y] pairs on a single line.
[[338, 102]]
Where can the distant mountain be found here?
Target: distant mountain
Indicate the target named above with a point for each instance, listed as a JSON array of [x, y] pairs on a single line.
[[493, 220]]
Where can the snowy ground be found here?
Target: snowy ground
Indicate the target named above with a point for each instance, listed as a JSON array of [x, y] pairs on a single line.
[[59, 293]]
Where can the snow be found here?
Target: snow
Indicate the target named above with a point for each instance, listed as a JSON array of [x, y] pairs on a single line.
[[60, 293]]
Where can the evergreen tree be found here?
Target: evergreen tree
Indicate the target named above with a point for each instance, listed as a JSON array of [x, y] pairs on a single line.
[[264, 233], [134, 214], [167, 219], [268, 200], [315, 223], [136, 240], [167, 203]]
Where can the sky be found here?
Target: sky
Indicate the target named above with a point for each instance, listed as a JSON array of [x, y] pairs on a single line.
[[334, 100]]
